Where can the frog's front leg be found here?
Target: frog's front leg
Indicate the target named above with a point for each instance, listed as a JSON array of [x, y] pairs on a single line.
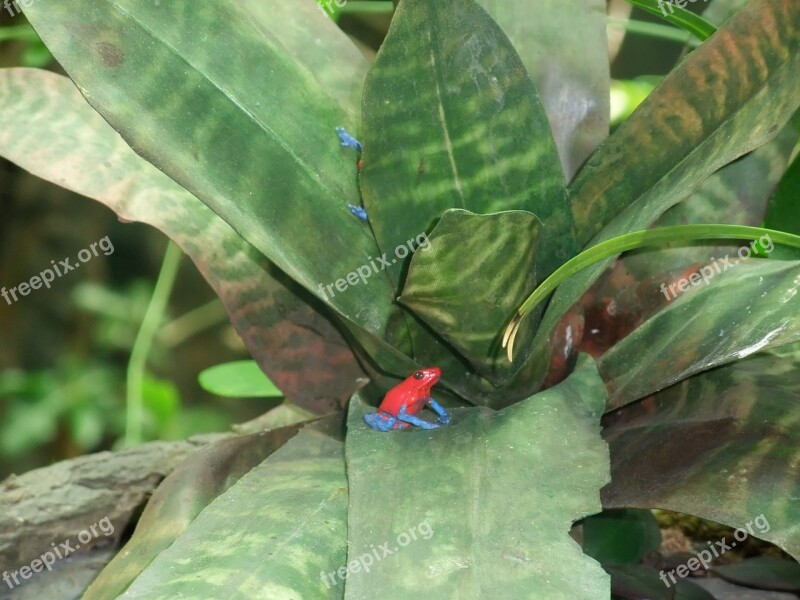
[[406, 418], [444, 417]]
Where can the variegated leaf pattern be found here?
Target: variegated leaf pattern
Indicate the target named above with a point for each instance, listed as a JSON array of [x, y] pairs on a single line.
[[498, 490], [564, 47], [722, 445], [476, 271], [747, 306], [270, 535], [452, 120], [286, 331], [729, 96]]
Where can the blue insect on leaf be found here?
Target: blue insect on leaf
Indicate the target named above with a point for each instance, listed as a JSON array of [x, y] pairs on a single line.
[[348, 141], [358, 211]]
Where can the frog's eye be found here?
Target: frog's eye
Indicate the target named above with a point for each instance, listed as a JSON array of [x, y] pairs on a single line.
[[419, 375]]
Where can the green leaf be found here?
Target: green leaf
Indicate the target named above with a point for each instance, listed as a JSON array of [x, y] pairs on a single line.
[[731, 95], [498, 512], [258, 147], [475, 271], [273, 534], [565, 51], [762, 572], [180, 498], [749, 306], [451, 120], [239, 379], [721, 445], [284, 329], [616, 537]]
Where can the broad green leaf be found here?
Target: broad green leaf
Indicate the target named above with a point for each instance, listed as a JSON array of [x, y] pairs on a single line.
[[564, 48], [763, 572], [451, 120], [478, 268], [731, 95], [497, 490], [616, 537], [273, 534], [192, 486], [284, 329], [721, 445], [252, 137], [239, 379], [749, 306]]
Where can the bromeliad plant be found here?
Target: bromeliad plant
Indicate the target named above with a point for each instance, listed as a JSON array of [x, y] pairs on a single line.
[[484, 125]]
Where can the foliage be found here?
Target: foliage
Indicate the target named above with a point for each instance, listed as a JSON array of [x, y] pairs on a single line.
[[476, 140]]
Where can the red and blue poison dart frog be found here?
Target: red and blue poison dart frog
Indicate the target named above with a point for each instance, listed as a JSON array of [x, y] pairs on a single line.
[[404, 401]]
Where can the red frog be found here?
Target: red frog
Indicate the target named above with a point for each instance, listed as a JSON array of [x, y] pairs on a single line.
[[404, 401]]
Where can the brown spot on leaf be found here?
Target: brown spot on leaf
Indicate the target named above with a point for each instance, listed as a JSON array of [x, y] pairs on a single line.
[[111, 55]]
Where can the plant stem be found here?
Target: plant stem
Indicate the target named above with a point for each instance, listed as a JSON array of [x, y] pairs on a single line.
[[680, 17], [137, 364]]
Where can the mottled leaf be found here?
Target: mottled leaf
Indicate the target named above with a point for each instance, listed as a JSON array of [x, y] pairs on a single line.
[[192, 486], [253, 138], [478, 269], [731, 95], [284, 329], [273, 534], [564, 48], [750, 306], [498, 491], [451, 120], [721, 445]]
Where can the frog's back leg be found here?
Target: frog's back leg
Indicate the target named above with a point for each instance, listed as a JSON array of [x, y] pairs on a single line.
[[383, 421]]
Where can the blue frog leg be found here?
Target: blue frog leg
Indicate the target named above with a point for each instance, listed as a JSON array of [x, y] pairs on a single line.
[[347, 140], [444, 416], [382, 421], [406, 418]]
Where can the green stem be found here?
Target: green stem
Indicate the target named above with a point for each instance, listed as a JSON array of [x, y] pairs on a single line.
[[632, 241], [18, 32], [193, 322], [137, 364], [364, 7], [680, 17]]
